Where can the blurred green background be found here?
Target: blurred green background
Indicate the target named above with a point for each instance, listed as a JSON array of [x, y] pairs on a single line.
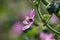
[[12, 11]]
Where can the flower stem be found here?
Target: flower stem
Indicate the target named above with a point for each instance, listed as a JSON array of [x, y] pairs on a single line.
[[43, 20], [52, 29]]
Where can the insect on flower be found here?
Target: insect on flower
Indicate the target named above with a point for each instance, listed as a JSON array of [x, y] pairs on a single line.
[[19, 27], [28, 20]]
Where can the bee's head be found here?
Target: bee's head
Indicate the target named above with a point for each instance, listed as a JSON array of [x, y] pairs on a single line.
[[29, 19]]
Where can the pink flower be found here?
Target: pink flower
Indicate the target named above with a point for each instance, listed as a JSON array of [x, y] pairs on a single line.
[[28, 21], [45, 36], [18, 27], [54, 19]]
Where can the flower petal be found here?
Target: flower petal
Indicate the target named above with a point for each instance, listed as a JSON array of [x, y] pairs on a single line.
[[51, 35], [27, 26], [45, 36], [25, 22], [32, 13], [42, 35], [16, 30]]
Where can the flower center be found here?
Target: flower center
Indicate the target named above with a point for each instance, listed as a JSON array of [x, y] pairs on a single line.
[[29, 19]]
